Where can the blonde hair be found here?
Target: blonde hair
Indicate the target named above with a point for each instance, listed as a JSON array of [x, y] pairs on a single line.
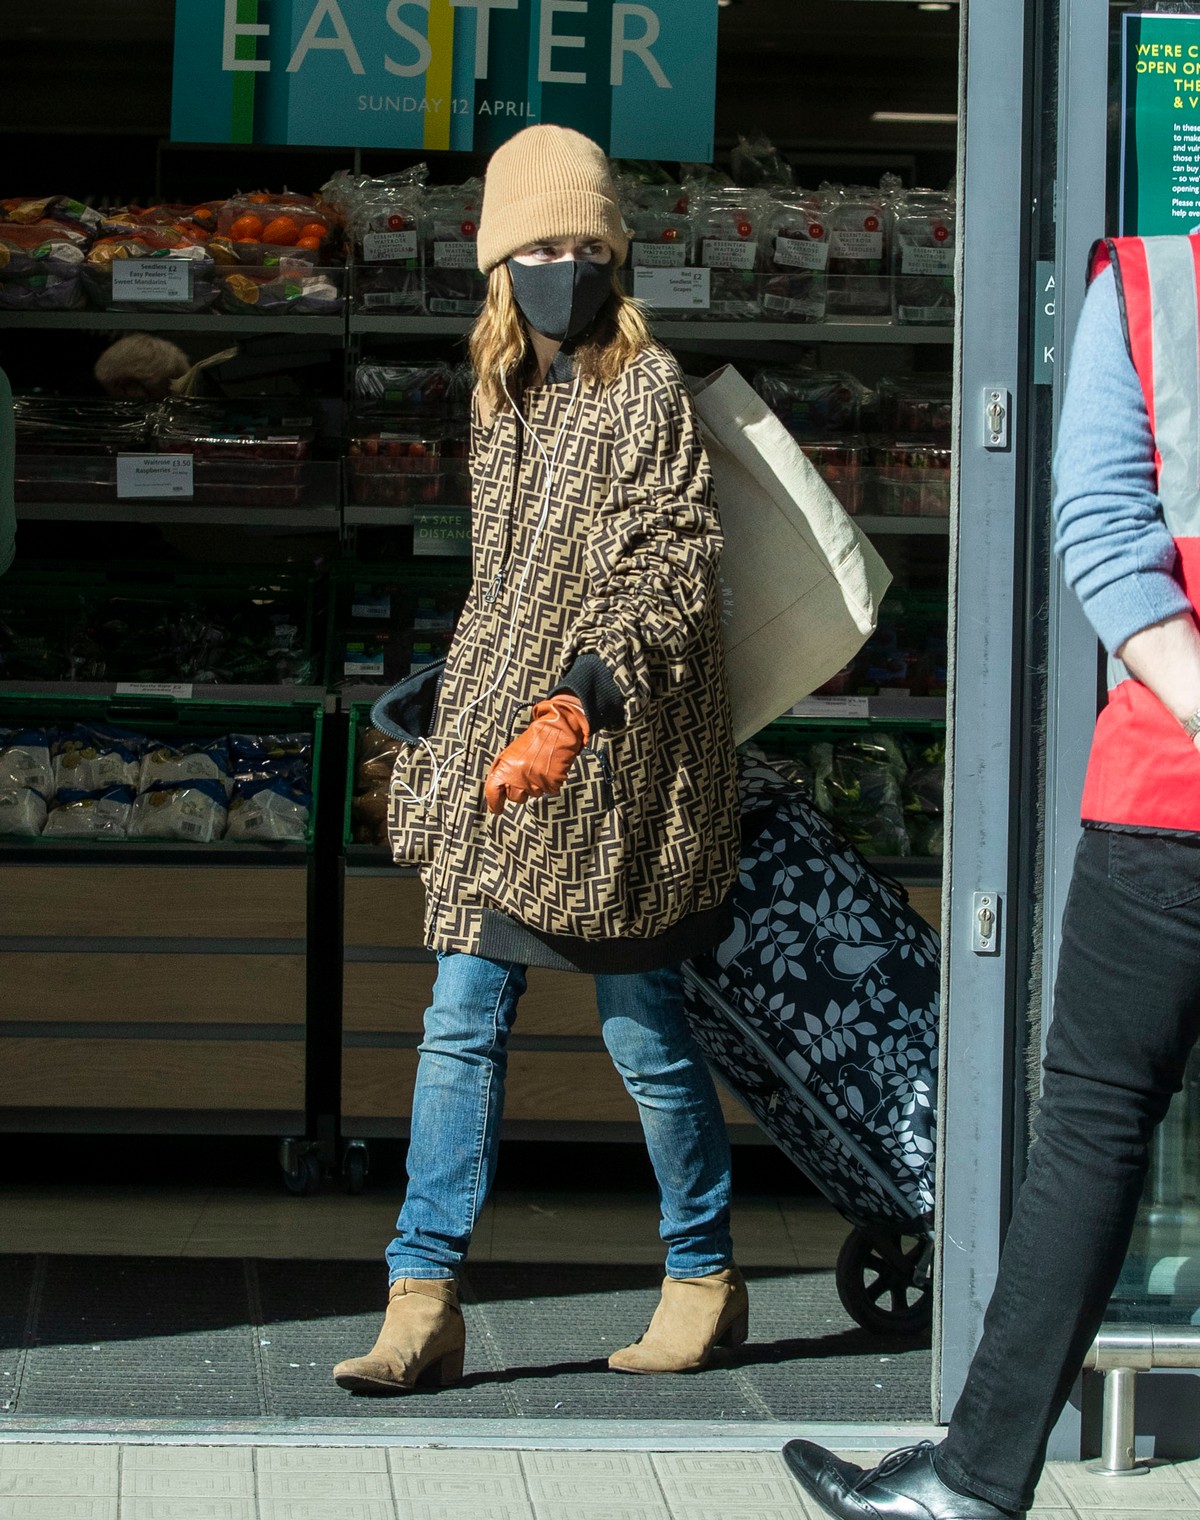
[[141, 365], [502, 353]]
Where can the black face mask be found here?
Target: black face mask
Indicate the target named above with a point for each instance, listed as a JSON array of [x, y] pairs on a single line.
[[559, 300]]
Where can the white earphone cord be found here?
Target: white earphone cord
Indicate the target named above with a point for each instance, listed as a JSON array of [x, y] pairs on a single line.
[[549, 460]]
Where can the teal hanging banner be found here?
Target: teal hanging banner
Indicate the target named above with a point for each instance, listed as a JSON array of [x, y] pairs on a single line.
[[1160, 124], [453, 74]]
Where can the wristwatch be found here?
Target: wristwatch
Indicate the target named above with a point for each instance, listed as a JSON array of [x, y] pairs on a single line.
[[1191, 726]]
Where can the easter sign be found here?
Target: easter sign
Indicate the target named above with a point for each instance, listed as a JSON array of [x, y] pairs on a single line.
[[453, 74], [1160, 125]]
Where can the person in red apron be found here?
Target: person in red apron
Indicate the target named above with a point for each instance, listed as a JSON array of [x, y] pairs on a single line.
[[1127, 996]]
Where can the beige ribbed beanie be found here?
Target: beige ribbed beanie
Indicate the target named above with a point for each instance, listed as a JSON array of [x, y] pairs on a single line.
[[548, 182]]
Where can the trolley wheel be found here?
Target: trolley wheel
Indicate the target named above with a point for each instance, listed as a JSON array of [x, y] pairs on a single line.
[[885, 1282], [301, 1167], [355, 1165]]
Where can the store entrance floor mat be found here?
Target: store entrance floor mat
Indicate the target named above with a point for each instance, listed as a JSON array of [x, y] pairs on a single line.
[[230, 1338]]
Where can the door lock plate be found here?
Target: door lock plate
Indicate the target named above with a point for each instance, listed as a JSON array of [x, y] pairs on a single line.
[[985, 923]]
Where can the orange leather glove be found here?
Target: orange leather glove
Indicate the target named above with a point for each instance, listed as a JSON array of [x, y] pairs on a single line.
[[537, 761]]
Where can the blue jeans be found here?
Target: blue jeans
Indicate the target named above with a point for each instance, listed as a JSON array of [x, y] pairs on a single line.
[[458, 1104]]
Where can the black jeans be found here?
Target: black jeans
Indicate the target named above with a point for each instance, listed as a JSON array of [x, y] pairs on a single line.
[[1126, 1014]]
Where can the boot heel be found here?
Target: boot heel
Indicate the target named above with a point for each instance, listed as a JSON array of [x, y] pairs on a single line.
[[449, 1369], [735, 1332]]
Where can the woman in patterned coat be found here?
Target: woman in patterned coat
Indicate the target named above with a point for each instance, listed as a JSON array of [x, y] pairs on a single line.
[[570, 789]]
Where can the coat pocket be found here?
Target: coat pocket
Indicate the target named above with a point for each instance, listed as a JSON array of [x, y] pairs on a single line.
[[561, 864], [417, 801]]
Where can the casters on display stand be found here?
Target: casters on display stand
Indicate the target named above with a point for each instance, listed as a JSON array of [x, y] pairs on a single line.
[[301, 1164], [356, 1163], [885, 1282]]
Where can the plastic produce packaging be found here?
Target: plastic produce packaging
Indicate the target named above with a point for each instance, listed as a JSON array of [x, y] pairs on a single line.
[[923, 258], [430, 388], [185, 761], [40, 266], [385, 218], [797, 240], [839, 462], [913, 480], [372, 781], [289, 288], [729, 227], [186, 286], [813, 403], [453, 285], [263, 230], [268, 809], [81, 814], [25, 761], [389, 465], [858, 783], [93, 757], [252, 453], [22, 811], [916, 406], [659, 224], [190, 811]]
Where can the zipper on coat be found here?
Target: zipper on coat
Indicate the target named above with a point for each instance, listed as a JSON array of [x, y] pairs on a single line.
[[496, 584], [607, 798]]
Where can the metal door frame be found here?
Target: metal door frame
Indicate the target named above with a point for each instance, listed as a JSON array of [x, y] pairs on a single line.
[[984, 737]]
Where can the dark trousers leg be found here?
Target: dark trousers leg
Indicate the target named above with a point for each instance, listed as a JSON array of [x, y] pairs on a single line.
[[1126, 1011]]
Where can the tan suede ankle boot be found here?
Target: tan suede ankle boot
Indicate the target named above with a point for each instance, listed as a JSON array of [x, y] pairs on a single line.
[[422, 1340], [694, 1314]]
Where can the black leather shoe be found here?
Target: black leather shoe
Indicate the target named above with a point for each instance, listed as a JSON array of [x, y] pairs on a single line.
[[905, 1486]]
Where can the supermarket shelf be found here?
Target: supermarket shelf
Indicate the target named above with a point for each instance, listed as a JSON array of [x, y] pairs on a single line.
[[200, 693], [909, 870], [411, 327], [184, 321], [701, 330], [377, 517], [151, 512], [909, 527], [897, 712], [698, 330]]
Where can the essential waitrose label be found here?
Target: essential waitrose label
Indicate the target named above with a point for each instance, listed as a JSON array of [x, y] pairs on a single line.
[[658, 255], [156, 475], [459, 75], [455, 255], [729, 253], [801, 253], [151, 280], [938, 261], [389, 247], [674, 289], [856, 245]]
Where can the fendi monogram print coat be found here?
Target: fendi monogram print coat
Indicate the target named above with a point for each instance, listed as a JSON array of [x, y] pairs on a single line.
[[631, 865]]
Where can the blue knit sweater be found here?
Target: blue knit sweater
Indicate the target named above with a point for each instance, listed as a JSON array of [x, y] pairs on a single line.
[[1117, 553]]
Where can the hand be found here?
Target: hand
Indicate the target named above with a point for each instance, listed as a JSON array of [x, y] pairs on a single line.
[[537, 761]]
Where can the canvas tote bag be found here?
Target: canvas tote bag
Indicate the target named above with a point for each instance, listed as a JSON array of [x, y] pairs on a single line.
[[802, 583]]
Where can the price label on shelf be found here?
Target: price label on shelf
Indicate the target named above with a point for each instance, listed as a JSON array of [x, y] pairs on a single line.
[[155, 689], [151, 280], [371, 607], [673, 289], [832, 707], [154, 475]]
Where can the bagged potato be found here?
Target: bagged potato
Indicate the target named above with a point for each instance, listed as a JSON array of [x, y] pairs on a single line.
[[191, 811]]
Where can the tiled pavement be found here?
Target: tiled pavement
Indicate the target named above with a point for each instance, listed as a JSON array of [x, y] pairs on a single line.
[[79, 1481]]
